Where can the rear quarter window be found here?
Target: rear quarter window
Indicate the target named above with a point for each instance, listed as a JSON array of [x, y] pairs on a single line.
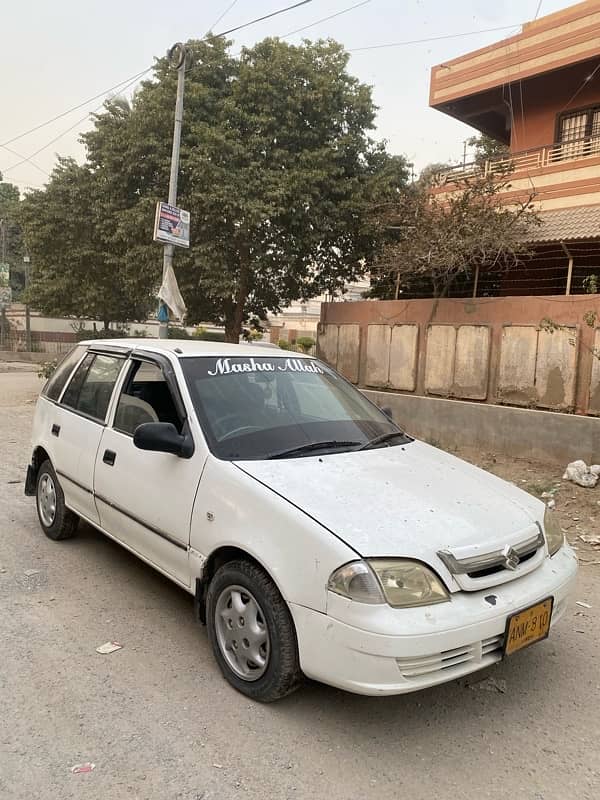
[[58, 379]]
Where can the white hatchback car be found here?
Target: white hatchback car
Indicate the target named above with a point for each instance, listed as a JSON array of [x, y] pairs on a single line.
[[317, 537]]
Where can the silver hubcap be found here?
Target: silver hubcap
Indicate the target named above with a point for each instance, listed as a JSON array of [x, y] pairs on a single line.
[[46, 497], [242, 633]]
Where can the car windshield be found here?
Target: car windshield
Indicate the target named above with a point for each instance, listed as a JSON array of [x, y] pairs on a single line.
[[282, 407]]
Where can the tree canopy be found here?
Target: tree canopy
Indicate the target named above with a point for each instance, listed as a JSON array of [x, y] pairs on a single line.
[[11, 241], [78, 265], [277, 168]]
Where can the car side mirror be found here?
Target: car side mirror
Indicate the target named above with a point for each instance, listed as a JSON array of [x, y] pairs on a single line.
[[388, 412], [162, 437]]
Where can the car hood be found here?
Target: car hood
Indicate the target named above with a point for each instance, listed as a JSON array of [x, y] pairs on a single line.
[[411, 500]]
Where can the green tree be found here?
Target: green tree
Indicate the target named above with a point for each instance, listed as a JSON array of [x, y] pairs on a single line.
[[436, 240], [487, 149], [11, 241], [432, 174], [78, 269], [277, 169]]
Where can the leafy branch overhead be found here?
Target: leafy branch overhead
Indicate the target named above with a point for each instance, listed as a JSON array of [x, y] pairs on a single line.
[[278, 171]]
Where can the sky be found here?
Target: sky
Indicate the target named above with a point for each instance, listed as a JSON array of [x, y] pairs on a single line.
[[55, 55]]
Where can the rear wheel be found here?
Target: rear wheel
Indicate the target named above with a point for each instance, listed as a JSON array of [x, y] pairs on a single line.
[[57, 521], [252, 632]]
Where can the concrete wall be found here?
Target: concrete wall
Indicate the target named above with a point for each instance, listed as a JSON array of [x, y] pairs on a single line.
[[489, 350], [522, 433]]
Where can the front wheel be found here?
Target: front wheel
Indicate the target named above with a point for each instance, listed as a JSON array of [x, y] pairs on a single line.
[[252, 632], [57, 521]]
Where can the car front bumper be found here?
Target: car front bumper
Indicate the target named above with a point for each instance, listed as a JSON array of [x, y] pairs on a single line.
[[378, 650]]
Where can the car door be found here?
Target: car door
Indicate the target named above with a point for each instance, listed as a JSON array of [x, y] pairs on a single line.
[[145, 498], [77, 423]]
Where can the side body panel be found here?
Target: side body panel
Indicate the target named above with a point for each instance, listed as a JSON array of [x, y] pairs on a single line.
[[72, 442]]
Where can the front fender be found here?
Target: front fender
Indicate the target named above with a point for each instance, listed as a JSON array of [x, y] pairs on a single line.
[[232, 509]]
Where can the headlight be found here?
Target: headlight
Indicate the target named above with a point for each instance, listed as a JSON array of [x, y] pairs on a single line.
[[408, 583], [357, 582], [399, 582], [554, 536]]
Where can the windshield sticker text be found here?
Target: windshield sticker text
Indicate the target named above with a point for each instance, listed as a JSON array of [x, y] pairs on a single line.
[[225, 367]]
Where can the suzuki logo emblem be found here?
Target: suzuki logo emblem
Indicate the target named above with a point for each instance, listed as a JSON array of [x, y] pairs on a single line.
[[511, 557]]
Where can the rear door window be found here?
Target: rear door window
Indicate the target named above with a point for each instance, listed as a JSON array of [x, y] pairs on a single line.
[[91, 387], [61, 374]]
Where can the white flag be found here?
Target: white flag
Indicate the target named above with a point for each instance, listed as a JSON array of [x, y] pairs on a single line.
[[171, 296]]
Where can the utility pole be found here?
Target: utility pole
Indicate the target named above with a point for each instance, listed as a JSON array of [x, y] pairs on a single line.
[[177, 56], [3, 321], [26, 262]]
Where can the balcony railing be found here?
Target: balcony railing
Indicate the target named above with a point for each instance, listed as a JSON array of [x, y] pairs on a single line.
[[526, 160]]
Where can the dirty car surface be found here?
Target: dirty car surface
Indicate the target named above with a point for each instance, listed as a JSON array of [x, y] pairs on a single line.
[[317, 537]]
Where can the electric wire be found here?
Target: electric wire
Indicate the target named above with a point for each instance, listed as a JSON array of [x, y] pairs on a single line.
[[325, 19], [258, 19], [432, 38], [20, 155], [63, 133], [123, 88], [144, 72], [75, 108], [223, 15], [585, 81]]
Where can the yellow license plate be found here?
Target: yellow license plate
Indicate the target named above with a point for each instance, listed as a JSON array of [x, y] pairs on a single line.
[[528, 626]]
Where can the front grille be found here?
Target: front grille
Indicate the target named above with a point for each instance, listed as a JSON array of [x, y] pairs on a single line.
[[476, 568], [482, 573], [487, 649]]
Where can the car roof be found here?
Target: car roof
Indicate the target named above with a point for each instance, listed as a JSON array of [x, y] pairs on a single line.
[[183, 348]]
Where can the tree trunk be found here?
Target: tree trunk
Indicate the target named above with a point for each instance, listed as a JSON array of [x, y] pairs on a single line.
[[235, 309], [233, 329]]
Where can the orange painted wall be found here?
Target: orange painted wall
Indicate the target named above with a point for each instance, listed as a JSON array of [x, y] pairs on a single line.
[[544, 98]]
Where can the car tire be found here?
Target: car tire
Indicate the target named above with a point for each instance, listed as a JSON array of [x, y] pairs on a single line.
[[57, 521], [252, 632]]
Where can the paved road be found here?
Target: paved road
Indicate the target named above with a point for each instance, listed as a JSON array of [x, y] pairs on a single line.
[[159, 722]]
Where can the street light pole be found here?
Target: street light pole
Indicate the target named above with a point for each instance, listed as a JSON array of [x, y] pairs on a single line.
[[177, 57]]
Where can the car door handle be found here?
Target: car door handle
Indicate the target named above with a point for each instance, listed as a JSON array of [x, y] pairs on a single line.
[[55, 430], [109, 457]]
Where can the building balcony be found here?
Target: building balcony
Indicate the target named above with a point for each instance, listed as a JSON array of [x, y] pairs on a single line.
[[526, 161], [560, 175]]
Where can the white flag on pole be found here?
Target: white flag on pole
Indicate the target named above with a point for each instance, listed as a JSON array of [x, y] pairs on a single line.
[[171, 296]]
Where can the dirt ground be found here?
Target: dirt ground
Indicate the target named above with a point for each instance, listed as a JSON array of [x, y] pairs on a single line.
[[578, 509], [158, 721]]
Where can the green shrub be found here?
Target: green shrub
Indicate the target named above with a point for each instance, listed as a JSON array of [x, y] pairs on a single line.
[[284, 344], [176, 332], [210, 336], [83, 334], [306, 343], [46, 368]]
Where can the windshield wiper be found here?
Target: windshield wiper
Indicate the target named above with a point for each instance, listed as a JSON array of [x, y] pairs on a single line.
[[383, 437], [306, 448]]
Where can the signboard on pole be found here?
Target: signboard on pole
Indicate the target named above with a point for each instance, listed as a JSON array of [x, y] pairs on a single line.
[[5, 290], [172, 225]]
